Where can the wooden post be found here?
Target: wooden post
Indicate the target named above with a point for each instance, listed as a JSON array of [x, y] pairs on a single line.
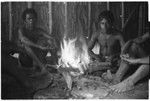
[[10, 21], [66, 29], [50, 16], [29, 5], [89, 19], [122, 14], [73, 22], [108, 6]]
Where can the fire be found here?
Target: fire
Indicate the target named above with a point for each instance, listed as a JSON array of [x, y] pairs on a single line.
[[74, 56]]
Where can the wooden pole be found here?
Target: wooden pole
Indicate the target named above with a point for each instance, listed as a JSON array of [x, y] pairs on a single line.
[[108, 6], [89, 19], [10, 21], [50, 17], [29, 5], [122, 15], [66, 29]]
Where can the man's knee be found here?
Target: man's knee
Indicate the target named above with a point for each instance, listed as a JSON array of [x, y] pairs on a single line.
[[145, 67]]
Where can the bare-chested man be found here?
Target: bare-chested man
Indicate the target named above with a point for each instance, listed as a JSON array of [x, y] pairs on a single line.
[[34, 42], [109, 39], [137, 48]]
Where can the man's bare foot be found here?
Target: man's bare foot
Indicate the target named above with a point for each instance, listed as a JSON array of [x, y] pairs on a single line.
[[123, 86], [111, 78], [108, 76], [116, 80]]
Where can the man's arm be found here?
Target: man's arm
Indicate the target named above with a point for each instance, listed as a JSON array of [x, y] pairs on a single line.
[[121, 40], [144, 60], [142, 38], [50, 39], [24, 40], [122, 43], [91, 45]]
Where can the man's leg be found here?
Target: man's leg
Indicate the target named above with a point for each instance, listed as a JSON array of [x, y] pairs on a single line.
[[129, 83], [36, 62], [117, 77], [124, 66], [135, 51], [141, 72]]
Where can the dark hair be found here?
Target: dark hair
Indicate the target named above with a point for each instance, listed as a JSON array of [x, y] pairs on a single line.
[[106, 15], [29, 11]]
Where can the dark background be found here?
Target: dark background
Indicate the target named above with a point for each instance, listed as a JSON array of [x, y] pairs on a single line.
[[74, 18]]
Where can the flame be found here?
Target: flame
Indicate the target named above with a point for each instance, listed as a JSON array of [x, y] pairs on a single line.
[[74, 54]]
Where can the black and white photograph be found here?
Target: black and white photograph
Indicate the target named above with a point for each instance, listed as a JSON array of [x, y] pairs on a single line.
[[75, 50]]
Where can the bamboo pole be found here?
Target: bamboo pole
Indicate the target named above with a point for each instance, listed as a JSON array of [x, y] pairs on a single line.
[[10, 21]]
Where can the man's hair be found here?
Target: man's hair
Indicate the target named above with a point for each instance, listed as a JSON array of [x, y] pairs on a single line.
[[29, 11], [106, 15]]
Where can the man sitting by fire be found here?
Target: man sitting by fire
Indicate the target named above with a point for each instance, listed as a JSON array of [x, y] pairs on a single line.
[[34, 43], [136, 54], [110, 41]]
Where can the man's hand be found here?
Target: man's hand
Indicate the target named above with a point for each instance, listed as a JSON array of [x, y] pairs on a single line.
[[25, 41], [130, 60], [142, 38], [124, 56]]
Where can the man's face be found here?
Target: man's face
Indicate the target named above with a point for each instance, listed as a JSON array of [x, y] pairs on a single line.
[[30, 21], [104, 25]]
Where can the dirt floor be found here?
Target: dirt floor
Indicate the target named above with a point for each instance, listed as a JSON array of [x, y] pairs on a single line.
[[90, 87], [87, 87]]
